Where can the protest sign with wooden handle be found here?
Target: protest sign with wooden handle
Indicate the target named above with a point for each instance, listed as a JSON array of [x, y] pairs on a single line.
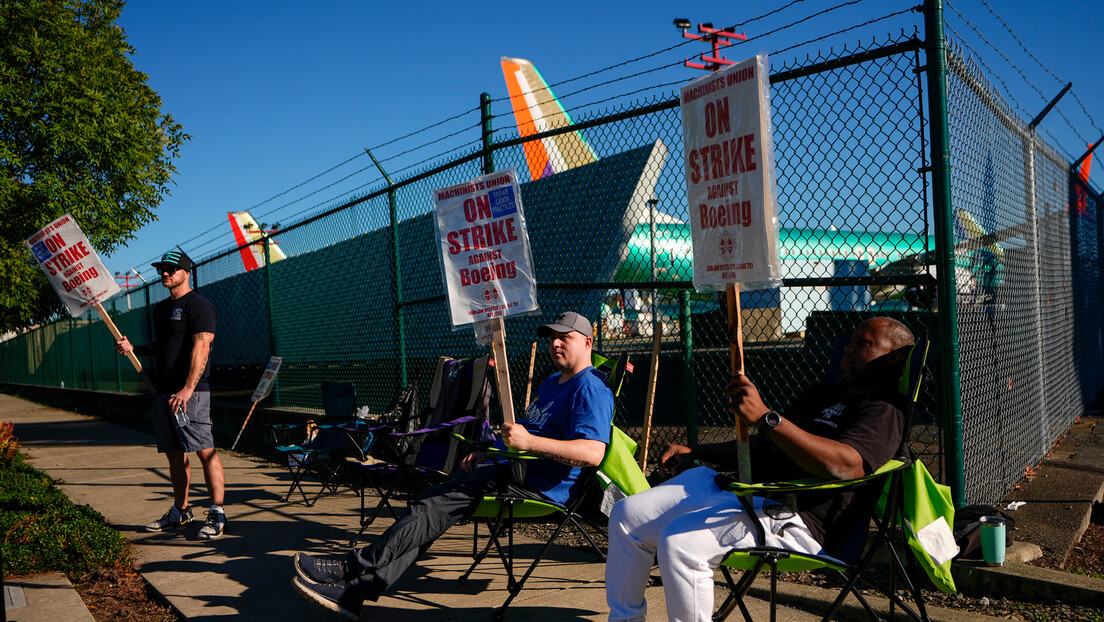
[[80, 279]]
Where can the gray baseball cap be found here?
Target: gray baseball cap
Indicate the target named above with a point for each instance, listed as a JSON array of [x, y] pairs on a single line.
[[566, 322]]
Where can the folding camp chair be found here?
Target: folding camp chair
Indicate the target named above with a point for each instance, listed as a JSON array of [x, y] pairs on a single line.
[[324, 445], [618, 474], [855, 562], [417, 452]]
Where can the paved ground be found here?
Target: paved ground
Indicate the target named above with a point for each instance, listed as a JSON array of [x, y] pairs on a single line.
[[247, 573]]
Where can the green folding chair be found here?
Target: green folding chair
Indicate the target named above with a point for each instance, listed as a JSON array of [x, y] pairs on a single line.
[[855, 570], [618, 474]]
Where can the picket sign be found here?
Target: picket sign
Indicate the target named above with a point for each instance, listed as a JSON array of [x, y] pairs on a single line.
[[730, 187], [75, 271], [486, 262], [264, 388]]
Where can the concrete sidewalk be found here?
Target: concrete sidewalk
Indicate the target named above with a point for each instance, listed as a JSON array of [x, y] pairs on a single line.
[[247, 573]]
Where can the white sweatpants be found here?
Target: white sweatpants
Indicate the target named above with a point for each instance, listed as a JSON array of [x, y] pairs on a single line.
[[689, 524]]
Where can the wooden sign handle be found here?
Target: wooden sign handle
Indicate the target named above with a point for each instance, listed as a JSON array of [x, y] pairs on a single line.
[[244, 423], [118, 336], [502, 371], [529, 385], [649, 395], [736, 360]]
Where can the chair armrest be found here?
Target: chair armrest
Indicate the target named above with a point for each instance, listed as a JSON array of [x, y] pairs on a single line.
[[435, 428], [511, 454], [728, 481], [494, 452]]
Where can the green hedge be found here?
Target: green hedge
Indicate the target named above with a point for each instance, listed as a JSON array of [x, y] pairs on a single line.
[[43, 531]]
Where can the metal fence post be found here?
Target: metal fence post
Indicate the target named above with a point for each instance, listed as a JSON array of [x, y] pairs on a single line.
[[271, 325], [57, 355], [951, 391], [396, 269], [485, 124], [91, 358], [690, 386], [72, 353], [118, 369], [149, 315]]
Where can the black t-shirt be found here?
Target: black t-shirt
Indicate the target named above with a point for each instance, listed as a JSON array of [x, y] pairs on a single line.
[[869, 422], [174, 324]]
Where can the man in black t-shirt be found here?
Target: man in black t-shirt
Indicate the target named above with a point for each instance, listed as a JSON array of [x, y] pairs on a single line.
[[690, 523], [184, 328]]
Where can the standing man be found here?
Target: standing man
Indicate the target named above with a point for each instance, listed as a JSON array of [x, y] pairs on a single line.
[[568, 424], [184, 328]]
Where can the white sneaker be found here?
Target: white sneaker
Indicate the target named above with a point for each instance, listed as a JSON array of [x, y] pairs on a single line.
[[171, 520], [214, 525]]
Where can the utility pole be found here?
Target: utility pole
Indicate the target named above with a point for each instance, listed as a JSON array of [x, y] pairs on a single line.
[[716, 38]]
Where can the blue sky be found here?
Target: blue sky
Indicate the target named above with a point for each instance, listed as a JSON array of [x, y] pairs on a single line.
[[275, 93]]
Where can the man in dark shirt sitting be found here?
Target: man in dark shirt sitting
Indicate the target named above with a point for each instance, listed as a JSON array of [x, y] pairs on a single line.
[[689, 523]]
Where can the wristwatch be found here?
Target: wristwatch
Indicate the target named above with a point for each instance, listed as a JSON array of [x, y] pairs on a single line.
[[769, 421]]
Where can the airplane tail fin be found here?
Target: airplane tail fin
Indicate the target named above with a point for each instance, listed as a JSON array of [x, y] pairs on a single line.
[[246, 230], [537, 110], [966, 228]]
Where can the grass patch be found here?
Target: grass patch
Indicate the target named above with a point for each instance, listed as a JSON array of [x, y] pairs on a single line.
[[43, 531]]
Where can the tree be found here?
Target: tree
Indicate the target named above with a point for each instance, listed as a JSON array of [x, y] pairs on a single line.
[[81, 132]]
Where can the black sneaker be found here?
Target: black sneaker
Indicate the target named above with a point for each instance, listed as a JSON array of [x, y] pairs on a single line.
[[316, 570], [336, 598], [214, 526], [171, 520]]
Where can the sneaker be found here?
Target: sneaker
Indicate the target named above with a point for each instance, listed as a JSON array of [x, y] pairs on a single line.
[[171, 520], [214, 525], [316, 570], [336, 598]]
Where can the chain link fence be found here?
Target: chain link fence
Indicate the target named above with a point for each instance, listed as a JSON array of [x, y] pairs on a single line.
[[1028, 282], [360, 296]]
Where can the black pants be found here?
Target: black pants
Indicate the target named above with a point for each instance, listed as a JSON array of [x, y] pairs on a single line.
[[376, 567]]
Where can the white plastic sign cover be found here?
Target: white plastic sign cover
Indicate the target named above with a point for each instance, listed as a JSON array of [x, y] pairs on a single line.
[[484, 249], [264, 387], [72, 265], [730, 183]]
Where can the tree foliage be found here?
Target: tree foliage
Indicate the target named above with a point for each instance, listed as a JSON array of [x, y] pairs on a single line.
[[81, 132]]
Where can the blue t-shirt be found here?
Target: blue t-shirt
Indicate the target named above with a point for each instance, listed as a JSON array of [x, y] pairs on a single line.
[[582, 407]]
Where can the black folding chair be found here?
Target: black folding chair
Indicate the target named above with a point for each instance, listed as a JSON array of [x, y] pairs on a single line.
[[415, 453], [324, 446]]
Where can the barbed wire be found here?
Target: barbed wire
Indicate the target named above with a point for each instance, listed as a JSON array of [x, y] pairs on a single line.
[[301, 184], [1040, 63], [844, 30], [578, 107], [979, 59], [1015, 67], [652, 54]]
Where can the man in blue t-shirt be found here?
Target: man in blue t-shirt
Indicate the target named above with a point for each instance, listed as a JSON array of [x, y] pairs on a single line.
[[568, 423]]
